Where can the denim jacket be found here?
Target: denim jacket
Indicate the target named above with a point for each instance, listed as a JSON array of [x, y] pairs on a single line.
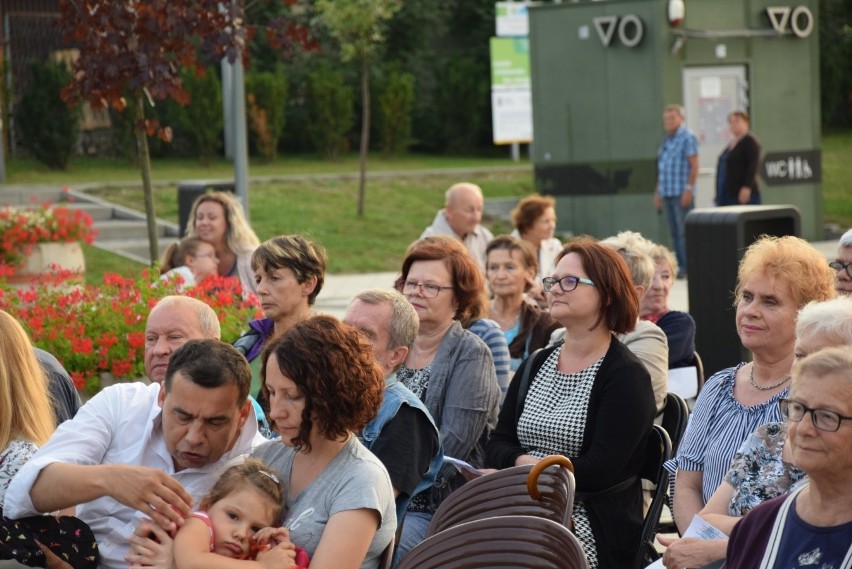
[[396, 395]]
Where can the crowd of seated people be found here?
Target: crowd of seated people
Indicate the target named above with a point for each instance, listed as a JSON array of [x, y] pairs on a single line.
[[498, 357]]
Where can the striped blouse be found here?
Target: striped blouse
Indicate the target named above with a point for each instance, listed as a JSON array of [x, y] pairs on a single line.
[[718, 426]]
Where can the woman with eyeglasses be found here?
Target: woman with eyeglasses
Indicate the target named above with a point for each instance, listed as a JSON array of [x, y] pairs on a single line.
[[762, 468], [811, 526], [448, 367], [842, 265], [589, 399], [777, 276]]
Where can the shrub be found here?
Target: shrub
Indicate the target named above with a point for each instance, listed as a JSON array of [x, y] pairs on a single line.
[[266, 100], [48, 127], [331, 102], [395, 103], [94, 329], [464, 101]]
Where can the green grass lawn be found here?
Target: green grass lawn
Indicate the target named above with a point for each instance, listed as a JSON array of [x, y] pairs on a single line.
[[99, 170], [837, 178], [397, 210]]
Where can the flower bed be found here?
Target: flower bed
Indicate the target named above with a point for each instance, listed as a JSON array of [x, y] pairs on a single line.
[[94, 329], [22, 229]]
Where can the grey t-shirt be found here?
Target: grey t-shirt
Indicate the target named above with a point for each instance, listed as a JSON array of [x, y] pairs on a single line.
[[355, 479]]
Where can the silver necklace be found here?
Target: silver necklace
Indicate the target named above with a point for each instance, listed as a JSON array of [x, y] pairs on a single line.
[[767, 387]]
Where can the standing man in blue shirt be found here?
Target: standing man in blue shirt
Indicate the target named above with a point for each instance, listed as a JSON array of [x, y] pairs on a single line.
[[677, 169]]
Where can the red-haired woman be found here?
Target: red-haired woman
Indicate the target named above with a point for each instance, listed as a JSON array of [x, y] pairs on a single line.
[[449, 368], [589, 399]]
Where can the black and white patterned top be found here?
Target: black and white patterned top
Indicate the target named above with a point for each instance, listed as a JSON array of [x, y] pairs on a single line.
[[554, 422], [417, 380]]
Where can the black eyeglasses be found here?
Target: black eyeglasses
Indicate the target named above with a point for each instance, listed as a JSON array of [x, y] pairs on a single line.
[[838, 266], [566, 283], [823, 419], [428, 290]]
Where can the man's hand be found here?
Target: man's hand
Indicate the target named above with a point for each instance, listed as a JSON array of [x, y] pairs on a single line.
[[744, 195], [152, 492], [151, 547], [686, 197], [658, 202]]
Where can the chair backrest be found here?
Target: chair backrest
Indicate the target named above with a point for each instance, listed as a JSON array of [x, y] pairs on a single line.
[[699, 366], [675, 418], [658, 451], [505, 493], [501, 541], [689, 380]]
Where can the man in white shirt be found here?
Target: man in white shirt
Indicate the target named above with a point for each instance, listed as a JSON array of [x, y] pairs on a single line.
[[136, 451], [461, 219]]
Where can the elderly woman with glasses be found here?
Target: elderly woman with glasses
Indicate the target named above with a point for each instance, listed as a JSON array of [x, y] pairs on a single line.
[[811, 526], [843, 265], [589, 399], [449, 368]]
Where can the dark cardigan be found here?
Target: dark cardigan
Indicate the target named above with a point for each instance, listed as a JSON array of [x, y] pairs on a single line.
[[741, 169], [620, 414]]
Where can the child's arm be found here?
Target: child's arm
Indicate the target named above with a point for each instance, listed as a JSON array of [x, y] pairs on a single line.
[[192, 551]]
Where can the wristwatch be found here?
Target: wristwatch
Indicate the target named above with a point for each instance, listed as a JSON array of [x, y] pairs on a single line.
[[688, 187]]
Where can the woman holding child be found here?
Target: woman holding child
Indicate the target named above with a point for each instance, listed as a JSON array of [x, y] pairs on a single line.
[[338, 502], [218, 218]]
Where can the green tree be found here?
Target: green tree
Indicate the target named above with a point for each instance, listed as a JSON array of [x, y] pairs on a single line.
[[136, 50], [835, 29], [358, 25], [202, 118], [395, 102], [48, 127], [330, 102]]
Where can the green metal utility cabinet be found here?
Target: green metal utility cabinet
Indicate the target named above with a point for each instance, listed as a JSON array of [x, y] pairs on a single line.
[[603, 71]]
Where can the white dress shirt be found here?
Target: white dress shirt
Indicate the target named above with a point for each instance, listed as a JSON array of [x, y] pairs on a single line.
[[120, 425]]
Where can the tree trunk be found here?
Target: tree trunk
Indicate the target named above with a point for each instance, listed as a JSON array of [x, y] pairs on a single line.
[[365, 131], [145, 167]]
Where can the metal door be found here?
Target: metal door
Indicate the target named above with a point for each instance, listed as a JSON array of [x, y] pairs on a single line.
[[709, 94]]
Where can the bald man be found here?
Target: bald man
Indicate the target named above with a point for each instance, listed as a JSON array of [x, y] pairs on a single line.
[[461, 219], [173, 322]]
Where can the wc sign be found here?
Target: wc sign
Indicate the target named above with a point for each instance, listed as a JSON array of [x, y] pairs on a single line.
[[794, 167]]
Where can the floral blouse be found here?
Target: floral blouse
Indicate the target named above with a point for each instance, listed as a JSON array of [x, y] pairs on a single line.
[[758, 473], [12, 459]]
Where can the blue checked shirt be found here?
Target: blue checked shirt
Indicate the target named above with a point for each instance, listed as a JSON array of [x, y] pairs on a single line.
[[673, 162]]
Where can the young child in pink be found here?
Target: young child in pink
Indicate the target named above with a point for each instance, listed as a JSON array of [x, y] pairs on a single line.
[[234, 528]]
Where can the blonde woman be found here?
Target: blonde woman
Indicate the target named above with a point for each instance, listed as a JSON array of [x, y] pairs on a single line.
[[26, 417], [218, 218]]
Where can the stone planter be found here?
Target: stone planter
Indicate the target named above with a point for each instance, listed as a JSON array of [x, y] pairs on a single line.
[[47, 257]]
